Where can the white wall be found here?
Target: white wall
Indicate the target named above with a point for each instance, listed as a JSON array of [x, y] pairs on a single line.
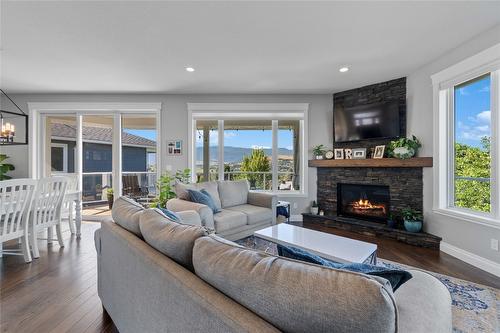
[[468, 236], [175, 123]]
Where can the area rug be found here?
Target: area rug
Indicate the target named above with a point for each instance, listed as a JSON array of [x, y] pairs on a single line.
[[475, 308]]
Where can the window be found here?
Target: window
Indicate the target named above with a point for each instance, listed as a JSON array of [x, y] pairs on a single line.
[[263, 147], [472, 114], [59, 157], [466, 172]]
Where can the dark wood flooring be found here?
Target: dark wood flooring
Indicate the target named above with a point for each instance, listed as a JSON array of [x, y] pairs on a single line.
[[58, 292]]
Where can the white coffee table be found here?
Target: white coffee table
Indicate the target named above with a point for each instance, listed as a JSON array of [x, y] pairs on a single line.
[[328, 246]]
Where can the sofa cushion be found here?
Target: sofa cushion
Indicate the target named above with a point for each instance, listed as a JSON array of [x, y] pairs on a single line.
[[170, 214], [229, 219], [296, 296], [173, 239], [396, 277], [126, 213], [233, 193], [255, 214], [181, 190]]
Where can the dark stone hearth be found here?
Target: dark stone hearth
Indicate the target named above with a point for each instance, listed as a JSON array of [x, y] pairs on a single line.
[[405, 185], [421, 239]]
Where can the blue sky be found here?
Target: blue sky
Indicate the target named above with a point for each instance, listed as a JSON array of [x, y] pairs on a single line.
[[251, 139], [472, 112], [148, 134]]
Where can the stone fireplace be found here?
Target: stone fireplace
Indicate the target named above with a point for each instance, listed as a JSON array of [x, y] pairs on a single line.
[[368, 202]]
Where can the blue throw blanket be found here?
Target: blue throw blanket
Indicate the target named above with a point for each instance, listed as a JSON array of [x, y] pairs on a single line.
[[395, 277]]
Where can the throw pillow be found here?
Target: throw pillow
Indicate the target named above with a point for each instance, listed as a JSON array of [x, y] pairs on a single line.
[[126, 213], [173, 239], [181, 189], [396, 277], [171, 215], [203, 198]]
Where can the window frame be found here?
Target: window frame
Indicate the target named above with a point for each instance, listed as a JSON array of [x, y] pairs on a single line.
[[244, 111], [444, 83]]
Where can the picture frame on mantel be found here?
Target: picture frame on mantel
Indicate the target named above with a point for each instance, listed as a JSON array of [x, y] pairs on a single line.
[[359, 153]]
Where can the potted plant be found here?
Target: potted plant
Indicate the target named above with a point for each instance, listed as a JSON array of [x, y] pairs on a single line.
[[5, 167], [165, 186], [413, 220], [391, 221], [404, 148], [318, 152], [314, 208], [110, 197]]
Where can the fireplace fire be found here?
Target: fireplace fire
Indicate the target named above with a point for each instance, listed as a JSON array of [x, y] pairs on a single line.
[[369, 202]]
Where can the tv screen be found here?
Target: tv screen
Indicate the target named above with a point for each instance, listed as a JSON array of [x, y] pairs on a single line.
[[372, 121]]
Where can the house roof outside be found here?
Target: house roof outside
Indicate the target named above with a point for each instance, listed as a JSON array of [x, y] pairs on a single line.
[[99, 134]]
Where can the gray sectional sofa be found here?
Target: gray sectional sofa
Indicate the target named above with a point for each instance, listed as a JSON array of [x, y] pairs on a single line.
[[155, 275], [241, 211]]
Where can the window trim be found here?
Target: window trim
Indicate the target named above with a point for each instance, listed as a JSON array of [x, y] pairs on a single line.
[[64, 146], [444, 82], [271, 111]]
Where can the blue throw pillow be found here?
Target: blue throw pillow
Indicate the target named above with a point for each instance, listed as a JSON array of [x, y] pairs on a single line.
[[171, 215], [204, 198], [395, 277]]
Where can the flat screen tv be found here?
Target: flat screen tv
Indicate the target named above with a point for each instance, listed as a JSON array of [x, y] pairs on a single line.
[[372, 121]]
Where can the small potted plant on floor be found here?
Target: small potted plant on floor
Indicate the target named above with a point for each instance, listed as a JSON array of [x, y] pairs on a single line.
[[391, 221], [314, 208], [318, 152], [413, 220], [109, 195]]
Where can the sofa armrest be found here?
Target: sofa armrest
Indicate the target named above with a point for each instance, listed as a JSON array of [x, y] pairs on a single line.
[[262, 199], [190, 217], [206, 214]]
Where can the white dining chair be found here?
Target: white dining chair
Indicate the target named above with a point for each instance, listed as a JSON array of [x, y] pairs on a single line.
[[69, 203], [46, 209], [16, 198]]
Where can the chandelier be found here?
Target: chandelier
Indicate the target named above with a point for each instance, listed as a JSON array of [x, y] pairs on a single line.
[[10, 122]]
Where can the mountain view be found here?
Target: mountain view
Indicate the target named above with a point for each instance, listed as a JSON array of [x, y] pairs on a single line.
[[235, 154]]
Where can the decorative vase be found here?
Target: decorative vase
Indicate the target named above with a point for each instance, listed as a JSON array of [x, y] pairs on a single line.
[[413, 226], [403, 152], [314, 210], [391, 223], [110, 201]]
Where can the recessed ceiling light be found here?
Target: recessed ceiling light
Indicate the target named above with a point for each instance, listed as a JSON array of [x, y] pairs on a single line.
[[343, 69], [189, 69]]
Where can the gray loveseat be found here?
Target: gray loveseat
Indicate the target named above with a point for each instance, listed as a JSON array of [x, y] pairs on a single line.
[[241, 211], [208, 284]]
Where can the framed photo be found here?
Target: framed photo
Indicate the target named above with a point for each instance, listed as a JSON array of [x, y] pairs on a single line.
[[339, 154], [359, 153], [174, 147], [379, 152], [348, 154]]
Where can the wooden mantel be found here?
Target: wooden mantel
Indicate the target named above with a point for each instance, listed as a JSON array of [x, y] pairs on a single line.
[[415, 162]]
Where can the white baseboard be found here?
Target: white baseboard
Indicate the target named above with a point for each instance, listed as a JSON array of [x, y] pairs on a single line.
[[471, 258], [296, 218]]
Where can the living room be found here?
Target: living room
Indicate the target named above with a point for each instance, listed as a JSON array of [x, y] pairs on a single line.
[[264, 101]]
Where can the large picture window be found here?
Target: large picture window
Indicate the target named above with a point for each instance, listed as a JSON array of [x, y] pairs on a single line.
[[266, 149], [466, 172]]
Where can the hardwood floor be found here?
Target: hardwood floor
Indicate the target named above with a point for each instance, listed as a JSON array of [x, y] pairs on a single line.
[[58, 292]]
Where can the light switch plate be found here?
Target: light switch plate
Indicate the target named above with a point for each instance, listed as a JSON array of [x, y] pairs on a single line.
[[494, 244]]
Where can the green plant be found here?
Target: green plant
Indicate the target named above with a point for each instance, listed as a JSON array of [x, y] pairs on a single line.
[[109, 191], [165, 186], [5, 167], [319, 150], [411, 144], [411, 215], [256, 163]]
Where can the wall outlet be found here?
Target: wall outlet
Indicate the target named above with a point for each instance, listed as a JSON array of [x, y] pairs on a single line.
[[494, 244], [295, 205]]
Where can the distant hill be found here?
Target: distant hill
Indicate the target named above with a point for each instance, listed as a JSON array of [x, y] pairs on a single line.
[[235, 154]]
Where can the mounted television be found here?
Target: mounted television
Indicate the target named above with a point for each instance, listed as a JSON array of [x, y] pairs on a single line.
[[371, 121]]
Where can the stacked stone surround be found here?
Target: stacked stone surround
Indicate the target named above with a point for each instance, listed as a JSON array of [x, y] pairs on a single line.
[[393, 90], [405, 185]]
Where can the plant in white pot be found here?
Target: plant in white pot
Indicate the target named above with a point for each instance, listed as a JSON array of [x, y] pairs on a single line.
[[318, 152], [404, 148], [314, 208]]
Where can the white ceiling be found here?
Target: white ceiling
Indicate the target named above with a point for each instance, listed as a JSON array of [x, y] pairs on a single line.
[[237, 47]]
